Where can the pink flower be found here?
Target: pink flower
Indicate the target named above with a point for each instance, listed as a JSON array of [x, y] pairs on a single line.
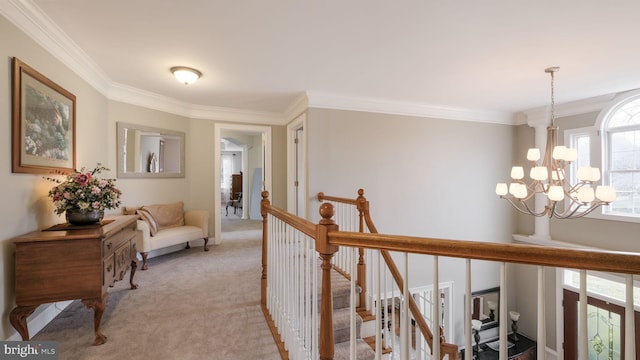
[[83, 179], [95, 190]]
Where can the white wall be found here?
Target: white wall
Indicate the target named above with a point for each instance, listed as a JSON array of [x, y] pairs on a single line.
[[423, 177]]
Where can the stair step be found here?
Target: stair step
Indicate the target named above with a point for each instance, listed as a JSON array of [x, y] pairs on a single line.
[[341, 290], [371, 341], [363, 351], [342, 325]]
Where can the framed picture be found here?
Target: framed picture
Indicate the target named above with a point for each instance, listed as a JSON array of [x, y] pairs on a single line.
[[44, 123]]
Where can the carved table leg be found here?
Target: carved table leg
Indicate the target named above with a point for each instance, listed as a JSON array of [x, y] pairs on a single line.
[[134, 267], [98, 306], [18, 319]]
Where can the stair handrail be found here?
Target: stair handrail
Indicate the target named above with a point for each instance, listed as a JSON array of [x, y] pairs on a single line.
[[329, 238], [323, 248], [362, 204]]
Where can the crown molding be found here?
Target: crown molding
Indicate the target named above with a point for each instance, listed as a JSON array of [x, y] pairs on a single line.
[[332, 101], [299, 105], [28, 17], [134, 96], [540, 115]]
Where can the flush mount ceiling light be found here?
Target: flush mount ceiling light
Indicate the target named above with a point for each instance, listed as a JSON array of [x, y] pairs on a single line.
[[185, 75], [549, 180]]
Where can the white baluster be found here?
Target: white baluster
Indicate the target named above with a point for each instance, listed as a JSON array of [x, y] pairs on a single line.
[[377, 308], [583, 345], [542, 334], [468, 352], [503, 312], [352, 304], [404, 336], [436, 310], [629, 321]]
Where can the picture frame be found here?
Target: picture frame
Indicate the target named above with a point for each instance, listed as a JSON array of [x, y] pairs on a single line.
[[43, 123]]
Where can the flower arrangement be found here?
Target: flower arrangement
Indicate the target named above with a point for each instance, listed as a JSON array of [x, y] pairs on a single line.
[[84, 191]]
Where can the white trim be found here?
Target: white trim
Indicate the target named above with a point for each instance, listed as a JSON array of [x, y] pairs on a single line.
[[36, 323], [583, 106], [29, 18], [299, 122], [150, 100], [354, 103]]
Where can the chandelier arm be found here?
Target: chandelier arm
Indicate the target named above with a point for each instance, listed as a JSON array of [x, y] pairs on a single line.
[[526, 209], [532, 212], [575, 215], [568, 214], [577, 187]]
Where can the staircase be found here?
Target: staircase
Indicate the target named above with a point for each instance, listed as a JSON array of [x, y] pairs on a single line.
[[341, 322]]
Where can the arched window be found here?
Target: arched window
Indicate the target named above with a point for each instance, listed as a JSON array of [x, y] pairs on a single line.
[[620, 128]]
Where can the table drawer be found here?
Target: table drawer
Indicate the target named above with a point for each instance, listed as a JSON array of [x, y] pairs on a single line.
[[114, 242]]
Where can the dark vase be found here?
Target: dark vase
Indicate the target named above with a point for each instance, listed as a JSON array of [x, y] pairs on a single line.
[[84, 217]]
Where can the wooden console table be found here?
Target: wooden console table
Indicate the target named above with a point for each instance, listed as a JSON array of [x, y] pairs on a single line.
[[67, 263]]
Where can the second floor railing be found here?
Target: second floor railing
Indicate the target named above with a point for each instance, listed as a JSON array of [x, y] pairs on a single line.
[[296, 250]]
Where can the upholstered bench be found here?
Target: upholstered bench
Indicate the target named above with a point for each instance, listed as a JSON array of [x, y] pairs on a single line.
[[164, 225]]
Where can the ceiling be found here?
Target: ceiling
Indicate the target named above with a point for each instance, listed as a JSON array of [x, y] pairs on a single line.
[[262, 56]]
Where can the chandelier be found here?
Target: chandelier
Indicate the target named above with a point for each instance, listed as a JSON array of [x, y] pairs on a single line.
[[549, 179]]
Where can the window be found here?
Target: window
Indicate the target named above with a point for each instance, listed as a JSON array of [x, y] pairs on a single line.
[[613, 145], [621, 130]]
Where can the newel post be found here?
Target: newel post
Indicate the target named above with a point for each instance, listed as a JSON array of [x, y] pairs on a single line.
[[362, 205], [326, 252], [263, 211]]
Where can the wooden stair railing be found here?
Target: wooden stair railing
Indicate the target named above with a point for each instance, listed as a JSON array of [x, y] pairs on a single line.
[[362, 205], [328, 238]]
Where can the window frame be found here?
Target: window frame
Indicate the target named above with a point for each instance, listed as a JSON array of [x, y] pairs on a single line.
[[599, 149]]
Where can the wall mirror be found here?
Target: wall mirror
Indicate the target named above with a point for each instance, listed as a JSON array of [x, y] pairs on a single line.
[[485, 306], [148, 152]]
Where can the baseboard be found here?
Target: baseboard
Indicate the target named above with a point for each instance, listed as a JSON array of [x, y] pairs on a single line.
[[45, 313]]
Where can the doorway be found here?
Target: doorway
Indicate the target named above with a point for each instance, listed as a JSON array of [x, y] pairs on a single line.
[[297, 166], [256, 169], [605, 327]]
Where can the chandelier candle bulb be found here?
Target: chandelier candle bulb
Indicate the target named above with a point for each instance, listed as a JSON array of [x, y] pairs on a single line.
[[517, 172], [583, 173], [556, 193], [606, 193], [520, 191], [559, 152], [501, 189], [538, 173], [586, 195], [533, 154]]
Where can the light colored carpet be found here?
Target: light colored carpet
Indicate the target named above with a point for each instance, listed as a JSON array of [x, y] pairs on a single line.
[[190, 304]]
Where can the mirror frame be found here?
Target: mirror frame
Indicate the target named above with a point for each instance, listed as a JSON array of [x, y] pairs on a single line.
[[481, 294], [122, 173]]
